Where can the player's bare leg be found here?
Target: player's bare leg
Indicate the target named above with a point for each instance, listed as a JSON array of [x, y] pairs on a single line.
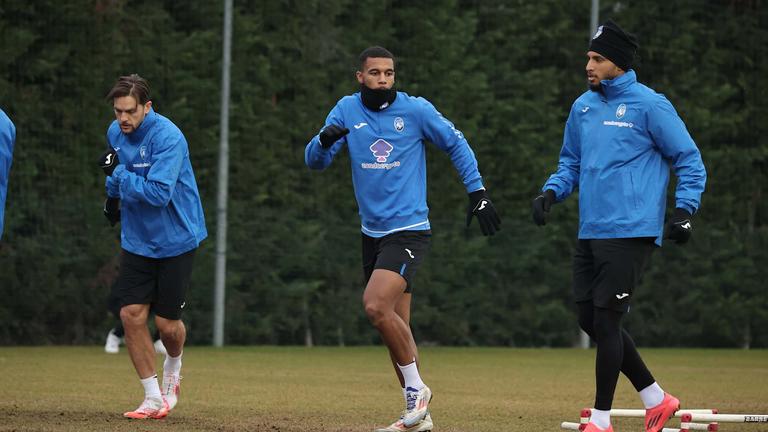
[[137, 338], [403, 310], [174, 334], [142, 352], [384, 291]]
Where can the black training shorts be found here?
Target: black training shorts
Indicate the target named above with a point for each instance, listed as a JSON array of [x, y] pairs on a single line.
[[606, 271], [160, 282], [401, 252]]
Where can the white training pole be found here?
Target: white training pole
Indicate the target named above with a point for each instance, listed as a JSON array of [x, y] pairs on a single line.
[[730, 418], [686, 424], [697, 415], [641, 412], [691, 426], [586, 412]]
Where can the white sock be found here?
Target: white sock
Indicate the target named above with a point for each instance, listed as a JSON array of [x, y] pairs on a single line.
[[151, 387], [600, 418], [172, 365], [411, 376], [652, 395]]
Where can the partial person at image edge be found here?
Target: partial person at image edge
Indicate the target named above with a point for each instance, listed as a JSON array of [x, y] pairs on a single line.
[[7, 142]]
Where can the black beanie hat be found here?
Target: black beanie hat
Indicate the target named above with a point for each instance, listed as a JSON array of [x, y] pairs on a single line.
[[615, 44]]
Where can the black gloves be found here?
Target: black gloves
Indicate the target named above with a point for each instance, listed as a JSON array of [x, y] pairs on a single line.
[[108, 161], [482, 207], [541, 205], [678, 227], [331, 134], [112, 210]]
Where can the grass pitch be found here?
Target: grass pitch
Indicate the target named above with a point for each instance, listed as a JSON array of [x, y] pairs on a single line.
[[354, 389]]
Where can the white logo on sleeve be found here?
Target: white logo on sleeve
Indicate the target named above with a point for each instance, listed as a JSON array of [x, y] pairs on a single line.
[[585, 109], [183, 304], [359, 125], [622, 296], [109, 159], [686, 225], [410, 254]]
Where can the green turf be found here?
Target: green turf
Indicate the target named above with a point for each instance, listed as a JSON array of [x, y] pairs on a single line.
[[354, 389]]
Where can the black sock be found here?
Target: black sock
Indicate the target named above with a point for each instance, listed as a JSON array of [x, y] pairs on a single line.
[[119, 331]]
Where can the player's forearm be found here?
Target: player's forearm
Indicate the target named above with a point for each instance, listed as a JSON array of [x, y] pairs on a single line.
[[138, 189], [315, 156]]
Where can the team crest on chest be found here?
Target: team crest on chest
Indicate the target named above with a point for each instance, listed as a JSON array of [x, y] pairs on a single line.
[[399, 124], [143, 152], [620, 111]]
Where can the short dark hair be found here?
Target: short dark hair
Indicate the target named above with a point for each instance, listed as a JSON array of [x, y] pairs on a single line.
[[376, 52], [130, 85]]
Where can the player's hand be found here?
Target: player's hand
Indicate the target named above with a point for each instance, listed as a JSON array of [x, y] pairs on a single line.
[[678, 227], [541, 206], [112, 210], [108, 161], [482, 207], [331, 134]]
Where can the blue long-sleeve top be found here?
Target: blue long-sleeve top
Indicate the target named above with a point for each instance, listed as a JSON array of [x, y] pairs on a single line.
[[161, 212], [7, 141], [387, 154], [618, 147]]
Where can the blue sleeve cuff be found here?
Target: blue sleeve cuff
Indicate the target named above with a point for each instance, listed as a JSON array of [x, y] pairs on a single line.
[[475, 186], [113, 181], [554, 188], [685, 206]]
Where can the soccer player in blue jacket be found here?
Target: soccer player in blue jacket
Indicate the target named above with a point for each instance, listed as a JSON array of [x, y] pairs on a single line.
[[385, 131], [149, 170], [620, 141], [7, 140]]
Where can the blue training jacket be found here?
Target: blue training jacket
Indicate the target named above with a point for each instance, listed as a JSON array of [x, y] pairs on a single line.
[[161, 212], [387, 153], [618, 147], [7, 140]]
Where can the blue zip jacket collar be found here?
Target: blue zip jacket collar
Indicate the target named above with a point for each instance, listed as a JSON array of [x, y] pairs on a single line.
[[614, 87], [149, 120]]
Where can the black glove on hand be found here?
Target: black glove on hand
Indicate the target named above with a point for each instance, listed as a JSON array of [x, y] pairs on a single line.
[[679, 227], [482, 207], [541, 206], [112, 210], [108, 161], [331, 134]]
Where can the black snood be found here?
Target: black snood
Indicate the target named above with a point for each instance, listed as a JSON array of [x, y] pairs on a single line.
[[377, 99]]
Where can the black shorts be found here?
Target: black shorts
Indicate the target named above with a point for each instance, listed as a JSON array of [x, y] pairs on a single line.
[[606, 271], [401, 252], [159, 282]]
